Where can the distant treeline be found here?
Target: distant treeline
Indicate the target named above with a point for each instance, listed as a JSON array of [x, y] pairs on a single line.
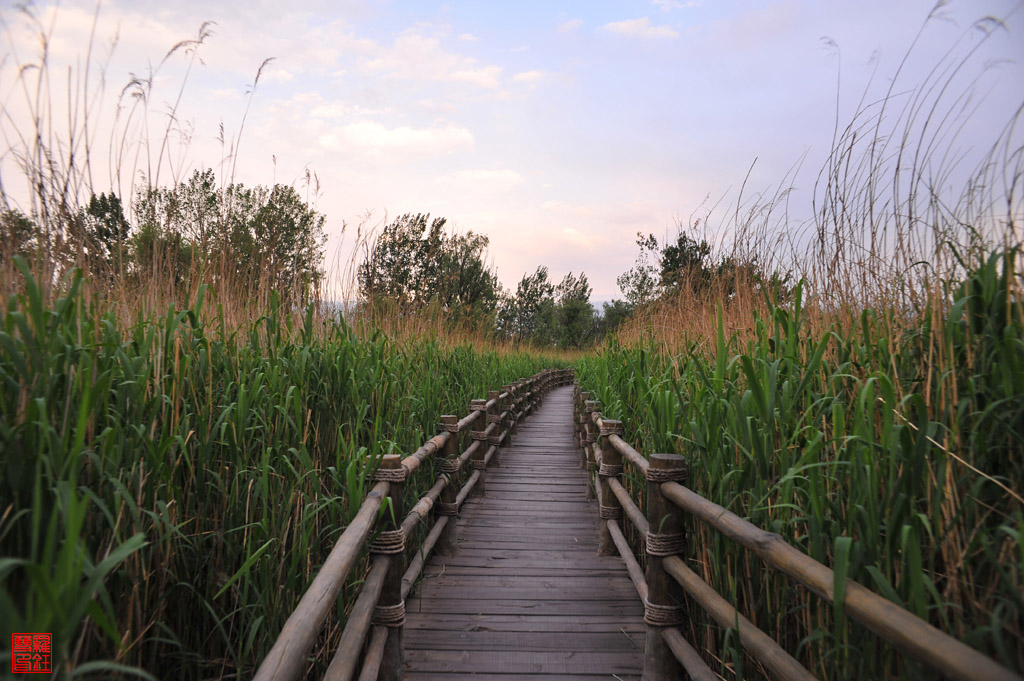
[[416, 265]]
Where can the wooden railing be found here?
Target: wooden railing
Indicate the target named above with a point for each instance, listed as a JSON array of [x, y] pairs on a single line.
[[379, 610], [666, 651]]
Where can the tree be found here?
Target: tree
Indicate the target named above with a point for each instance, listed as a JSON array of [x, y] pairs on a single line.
[[18, 235], [415, 262], [255, 237], [685, 262], [574, 313], [614, 314], [661, 269], [522, 315], [639, 284], [106, 233]]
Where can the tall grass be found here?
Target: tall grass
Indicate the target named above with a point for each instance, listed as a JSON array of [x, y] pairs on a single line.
[[871, 456], [874, 415], [170, 487]]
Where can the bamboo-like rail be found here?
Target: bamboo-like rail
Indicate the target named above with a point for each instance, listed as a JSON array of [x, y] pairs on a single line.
[[371, 639], [603, 452]]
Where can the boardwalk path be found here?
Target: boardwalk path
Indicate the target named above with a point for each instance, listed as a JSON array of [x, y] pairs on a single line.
[[526, 596]]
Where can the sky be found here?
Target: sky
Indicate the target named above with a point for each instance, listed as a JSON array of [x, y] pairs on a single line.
[[558, 129]]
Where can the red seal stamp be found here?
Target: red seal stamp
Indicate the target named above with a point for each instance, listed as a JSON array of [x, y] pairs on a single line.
[[32, 653]]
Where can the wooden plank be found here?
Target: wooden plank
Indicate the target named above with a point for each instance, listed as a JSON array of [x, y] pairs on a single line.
[[492, 594], [592, 623], [571, 641], [474, 676], [456, 606], [520, 662], [526, 596]]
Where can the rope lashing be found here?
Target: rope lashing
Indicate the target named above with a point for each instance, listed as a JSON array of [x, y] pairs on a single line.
[[610, 512], [665, 544], [610, 427], [591, 436], [494, 418], [667, 474], [607, 470], [389, 615], [479, 464], [450, 466], [663, 615], [391, 474], [389, 541], [450, 427], [478, 435], [494, 440], [446, 508], [478, 405]]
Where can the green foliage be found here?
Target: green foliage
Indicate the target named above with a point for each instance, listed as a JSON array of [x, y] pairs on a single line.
[[18, 234], [546, 314], [891, 451], [413, 261], [106, 230], [168, 490], [261, 236]]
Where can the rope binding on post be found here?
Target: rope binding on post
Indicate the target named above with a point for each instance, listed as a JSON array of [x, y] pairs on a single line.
[[478, 435], [610, 512], [391, 474], [663, 615], [665, 544], [450, 427], [667, 474], [445, 508], [450, 465], [610, 427], [607, 470], [389, 542], [392, 616]]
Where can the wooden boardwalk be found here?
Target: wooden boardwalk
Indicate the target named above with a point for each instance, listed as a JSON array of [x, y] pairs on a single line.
[[526, 596]]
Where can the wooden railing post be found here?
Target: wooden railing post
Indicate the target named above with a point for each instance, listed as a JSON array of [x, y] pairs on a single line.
[[611, 467], [447, 504], [390, 610], [592, 407], [510, 416], [663, 608], [581, 425], [494, 418]]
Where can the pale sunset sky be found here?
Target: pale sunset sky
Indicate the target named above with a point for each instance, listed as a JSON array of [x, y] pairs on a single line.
[[558, 129]]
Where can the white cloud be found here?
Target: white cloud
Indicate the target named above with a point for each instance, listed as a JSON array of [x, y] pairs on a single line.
[[640, 28], [528, 76], [483, 180], [487, 77], [278, 76], [469, 37], [570, 25], [418, 57], [373, 137], [669, 5]]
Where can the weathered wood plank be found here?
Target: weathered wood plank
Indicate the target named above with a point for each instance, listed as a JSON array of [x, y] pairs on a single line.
[[520, 662], [525, 596]]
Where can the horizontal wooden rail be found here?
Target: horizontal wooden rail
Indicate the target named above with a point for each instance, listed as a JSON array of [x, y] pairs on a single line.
[[692, 662], [908, 632], [288, 657], [760, 644], [946, 655], [286, 660]]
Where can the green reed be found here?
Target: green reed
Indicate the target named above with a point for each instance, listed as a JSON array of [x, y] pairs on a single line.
[[168, 490], [892, 451]]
